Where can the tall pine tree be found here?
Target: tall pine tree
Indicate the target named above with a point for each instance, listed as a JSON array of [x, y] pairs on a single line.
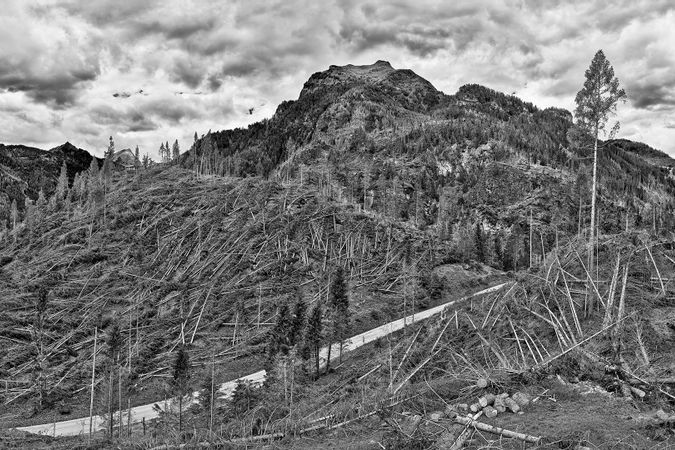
[[314, 335], [339, 309], [596, 102]]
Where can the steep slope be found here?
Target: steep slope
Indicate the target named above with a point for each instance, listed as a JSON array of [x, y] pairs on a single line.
[[173, 258], [388, 141]]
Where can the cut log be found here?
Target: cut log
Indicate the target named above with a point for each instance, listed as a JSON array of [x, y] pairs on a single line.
[[490, 412], [475, 407], [436, 416], [638, 392], [486, 400], [625, 390], [521, 398], [511, 405], [499, 405]]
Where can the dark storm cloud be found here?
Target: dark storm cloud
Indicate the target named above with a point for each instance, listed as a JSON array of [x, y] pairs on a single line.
[[126, 121], [170, 112], [188, 71], [59, 89], [621, 14], [424, 28], [181, 28], [242, 67], [214, 82], [103, 12], [652, 95]]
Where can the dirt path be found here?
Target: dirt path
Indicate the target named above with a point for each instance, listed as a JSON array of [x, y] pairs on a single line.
[[75, 427]]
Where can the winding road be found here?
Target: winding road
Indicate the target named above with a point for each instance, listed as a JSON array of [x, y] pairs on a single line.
[[75, 427]]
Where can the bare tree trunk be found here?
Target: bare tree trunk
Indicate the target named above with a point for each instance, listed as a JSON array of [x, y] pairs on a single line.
[[259, 301], [213, 381], [290, 409], [93, 377], [593, 201], [579, 224], [110, 404], [530, 238], [129, 417], [119, 402], [285, 382], [330, 346]]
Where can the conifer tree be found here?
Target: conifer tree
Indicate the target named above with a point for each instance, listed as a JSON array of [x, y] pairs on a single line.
[[137, 159], [339, 310], [181, 381], [499, 253], [281, 333], [314, 334], [93, 169], [111, 147], [298, 322], [243, 397], [596, 102], [175, 150], [206, 392], [107, 164]]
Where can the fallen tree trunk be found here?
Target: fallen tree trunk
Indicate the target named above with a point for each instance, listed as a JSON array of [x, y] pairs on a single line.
[[468, 431], [497, 430]]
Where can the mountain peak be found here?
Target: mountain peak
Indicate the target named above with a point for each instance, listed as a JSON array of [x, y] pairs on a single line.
[[67, 146], [381, 73], [379, 64]]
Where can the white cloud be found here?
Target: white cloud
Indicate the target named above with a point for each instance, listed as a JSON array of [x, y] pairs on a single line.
[[202, 64]]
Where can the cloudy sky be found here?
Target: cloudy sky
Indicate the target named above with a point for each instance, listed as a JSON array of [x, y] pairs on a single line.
[[147, 71]]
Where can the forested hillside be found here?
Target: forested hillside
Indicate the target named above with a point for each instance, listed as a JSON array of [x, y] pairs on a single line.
[[25, 171]]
